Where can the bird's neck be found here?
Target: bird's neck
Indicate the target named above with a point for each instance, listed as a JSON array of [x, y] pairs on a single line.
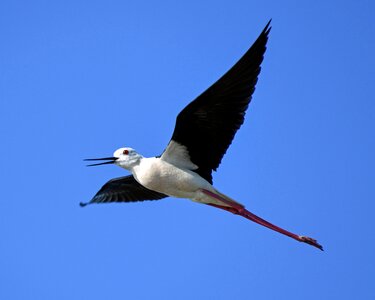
[[143, 166], [136, 163], [131, 163]]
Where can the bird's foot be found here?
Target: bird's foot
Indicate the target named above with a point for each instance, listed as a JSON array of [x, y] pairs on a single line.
[[310, 241]]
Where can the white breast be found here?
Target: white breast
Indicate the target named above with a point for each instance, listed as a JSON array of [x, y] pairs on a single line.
[[161, 176]]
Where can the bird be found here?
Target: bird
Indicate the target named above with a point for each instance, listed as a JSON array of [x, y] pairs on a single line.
[[203, 131]]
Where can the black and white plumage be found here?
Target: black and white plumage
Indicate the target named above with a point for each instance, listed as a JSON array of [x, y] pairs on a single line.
[[208, 124], [124, 189], [203, 132]]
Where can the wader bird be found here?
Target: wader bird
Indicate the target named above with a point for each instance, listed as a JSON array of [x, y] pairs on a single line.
[[204, 130]]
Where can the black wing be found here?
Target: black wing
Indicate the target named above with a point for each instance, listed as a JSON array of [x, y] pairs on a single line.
[[124, 189], [208, 124]]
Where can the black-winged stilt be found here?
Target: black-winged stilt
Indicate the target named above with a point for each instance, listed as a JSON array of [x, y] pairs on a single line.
[[204, 130]]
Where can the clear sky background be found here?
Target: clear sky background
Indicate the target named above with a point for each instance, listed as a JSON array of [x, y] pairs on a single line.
[[82, 78]]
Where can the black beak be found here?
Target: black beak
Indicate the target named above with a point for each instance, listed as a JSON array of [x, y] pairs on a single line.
[[111, 161]]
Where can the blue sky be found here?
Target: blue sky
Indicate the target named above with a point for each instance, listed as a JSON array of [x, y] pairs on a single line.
[[82, 78]]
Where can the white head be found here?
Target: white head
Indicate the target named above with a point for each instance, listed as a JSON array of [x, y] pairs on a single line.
[[125, 158]]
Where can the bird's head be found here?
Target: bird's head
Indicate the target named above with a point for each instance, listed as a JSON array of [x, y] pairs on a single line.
[[125, 158]]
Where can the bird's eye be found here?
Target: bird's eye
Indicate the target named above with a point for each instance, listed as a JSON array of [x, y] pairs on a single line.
[[125, 152]]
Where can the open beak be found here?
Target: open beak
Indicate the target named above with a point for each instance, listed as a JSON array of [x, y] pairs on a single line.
[[111, 161]]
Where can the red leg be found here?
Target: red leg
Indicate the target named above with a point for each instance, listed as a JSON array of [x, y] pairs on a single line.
[[227, 208], [242, 211]]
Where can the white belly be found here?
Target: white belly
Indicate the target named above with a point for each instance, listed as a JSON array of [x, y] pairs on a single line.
[[163, 177]]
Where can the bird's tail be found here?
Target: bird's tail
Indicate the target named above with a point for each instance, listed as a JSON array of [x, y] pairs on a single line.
[[236, 208]]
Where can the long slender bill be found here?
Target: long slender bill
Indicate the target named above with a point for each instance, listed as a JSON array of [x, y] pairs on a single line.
[[111, 161]]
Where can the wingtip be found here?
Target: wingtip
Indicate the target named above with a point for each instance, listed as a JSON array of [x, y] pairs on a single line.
[[267, 28], [83, 204]]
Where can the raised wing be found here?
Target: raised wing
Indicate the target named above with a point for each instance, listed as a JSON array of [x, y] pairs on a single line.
[[206, 127], [124, 189]]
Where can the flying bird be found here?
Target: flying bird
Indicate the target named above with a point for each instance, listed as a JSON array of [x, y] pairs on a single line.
[[203, 132]]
